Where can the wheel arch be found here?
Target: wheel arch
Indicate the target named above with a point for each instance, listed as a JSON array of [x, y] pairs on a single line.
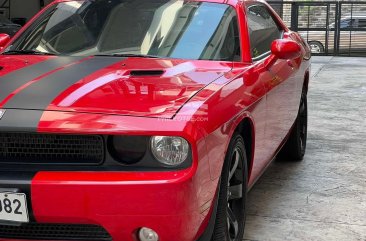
[[245, 127]]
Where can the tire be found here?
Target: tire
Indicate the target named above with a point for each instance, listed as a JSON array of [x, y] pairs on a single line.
[[230, 218], [295, 147], [316, 47]]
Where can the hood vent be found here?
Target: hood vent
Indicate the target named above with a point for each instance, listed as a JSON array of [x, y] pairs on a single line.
[[139, 73]]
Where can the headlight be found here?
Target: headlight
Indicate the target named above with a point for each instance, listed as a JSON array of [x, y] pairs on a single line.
[[169, 150], [128, 149]]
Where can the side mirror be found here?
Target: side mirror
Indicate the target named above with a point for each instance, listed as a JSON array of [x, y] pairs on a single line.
[[283, 49], [4, 40]]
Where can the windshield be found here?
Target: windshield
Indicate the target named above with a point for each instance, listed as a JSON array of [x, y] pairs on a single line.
[[175, 29]]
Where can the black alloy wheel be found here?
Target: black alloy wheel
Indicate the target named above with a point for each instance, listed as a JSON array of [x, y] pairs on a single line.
[[230, 220]]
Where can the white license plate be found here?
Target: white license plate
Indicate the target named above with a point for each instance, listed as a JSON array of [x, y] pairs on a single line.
[[13, 207]]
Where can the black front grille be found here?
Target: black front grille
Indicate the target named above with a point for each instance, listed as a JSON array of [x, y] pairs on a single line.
[[33, 148], [37, 231]]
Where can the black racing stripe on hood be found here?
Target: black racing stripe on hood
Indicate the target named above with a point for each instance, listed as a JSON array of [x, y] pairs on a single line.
[[12, 81], [40, 94], [20, 120], [19, 182]]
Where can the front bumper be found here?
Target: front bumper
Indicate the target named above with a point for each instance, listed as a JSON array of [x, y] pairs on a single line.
[[120, 202]]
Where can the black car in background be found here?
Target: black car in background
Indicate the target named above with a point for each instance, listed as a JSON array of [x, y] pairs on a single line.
[[8, 27]]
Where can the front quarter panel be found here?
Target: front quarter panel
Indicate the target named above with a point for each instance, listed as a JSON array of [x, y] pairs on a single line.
[[223, 105]]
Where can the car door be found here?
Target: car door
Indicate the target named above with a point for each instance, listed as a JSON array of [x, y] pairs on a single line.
[[282, 85], [345, 35], [260, 42], [358, 35], [361, 35]]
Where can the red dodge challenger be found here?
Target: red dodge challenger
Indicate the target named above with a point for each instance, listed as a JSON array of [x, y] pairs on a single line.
[[145, 120]]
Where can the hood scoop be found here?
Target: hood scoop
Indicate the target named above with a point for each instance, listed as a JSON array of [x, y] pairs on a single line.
[[140, 73]]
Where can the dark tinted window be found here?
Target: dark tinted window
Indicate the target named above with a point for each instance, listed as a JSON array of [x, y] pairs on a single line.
[[166, 28], [348, 23], [362, 23], [262, 29]]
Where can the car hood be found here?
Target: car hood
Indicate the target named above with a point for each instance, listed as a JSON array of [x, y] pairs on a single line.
[[143, 87]]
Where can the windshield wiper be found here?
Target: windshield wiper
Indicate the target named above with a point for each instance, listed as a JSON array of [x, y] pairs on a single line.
[[26, 52], [129, 55]]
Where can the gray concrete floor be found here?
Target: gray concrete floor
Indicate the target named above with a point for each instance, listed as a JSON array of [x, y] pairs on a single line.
[[323, 197]]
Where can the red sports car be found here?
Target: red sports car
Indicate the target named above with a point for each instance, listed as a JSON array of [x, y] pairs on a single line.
[[145, 120]]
